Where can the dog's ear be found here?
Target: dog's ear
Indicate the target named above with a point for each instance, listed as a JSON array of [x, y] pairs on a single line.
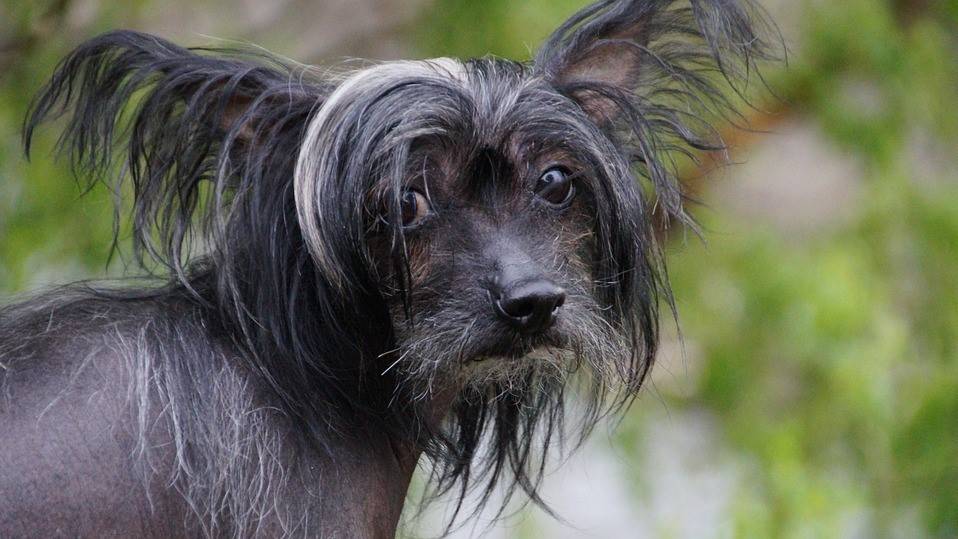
[[603, 43], [211, 94], [617, 48], [173, 120]]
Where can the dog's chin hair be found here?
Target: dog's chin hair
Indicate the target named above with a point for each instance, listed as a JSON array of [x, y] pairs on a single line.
[[509, 372], [551, 396]]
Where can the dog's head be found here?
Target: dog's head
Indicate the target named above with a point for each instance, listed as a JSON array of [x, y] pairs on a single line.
[[501, 223], [410, 232]]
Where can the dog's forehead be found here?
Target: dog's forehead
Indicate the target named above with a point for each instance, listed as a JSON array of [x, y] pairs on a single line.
[[477, 104], [485, 92]]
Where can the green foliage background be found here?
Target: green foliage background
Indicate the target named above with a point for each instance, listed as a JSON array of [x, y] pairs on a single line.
[[830, 362]]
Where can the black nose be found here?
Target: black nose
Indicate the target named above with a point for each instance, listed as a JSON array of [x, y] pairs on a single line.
[[530, 305]]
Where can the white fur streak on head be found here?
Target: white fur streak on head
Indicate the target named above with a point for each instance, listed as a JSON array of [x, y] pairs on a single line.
[[316, 161]]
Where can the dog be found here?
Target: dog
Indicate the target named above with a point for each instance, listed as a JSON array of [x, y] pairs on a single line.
[[349, 273]]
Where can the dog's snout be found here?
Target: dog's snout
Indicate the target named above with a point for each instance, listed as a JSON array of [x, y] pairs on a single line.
[[530, 305]]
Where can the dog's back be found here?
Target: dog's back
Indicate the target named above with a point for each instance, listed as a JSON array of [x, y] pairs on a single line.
[[69, 442]]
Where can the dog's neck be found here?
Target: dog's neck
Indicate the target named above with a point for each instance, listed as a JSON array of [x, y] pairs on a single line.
[[368, 490], [370, 478]]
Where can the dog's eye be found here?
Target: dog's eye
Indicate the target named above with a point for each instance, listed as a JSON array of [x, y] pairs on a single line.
[[414, 207], [555, 187]]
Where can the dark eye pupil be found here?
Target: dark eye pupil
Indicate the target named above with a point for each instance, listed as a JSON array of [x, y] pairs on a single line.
[[555, 187]]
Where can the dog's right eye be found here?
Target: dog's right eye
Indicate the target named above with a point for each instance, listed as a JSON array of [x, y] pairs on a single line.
[[414, 207]]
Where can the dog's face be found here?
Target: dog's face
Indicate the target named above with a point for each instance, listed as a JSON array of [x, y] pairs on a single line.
[[502, 223], [500, 242], [499, 213]]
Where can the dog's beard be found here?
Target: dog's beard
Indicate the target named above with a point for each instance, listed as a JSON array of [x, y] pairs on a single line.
[[456, 345]]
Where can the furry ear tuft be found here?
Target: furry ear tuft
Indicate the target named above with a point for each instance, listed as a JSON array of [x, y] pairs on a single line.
[[658, 73], [185, 117], [615, 41], [604, 43]]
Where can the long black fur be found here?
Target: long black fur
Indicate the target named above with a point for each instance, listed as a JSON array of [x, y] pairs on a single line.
[[205, 143]]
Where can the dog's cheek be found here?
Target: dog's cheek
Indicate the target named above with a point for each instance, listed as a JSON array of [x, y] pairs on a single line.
[[382, 267], [579, 250], [386, 270], [420, 263]]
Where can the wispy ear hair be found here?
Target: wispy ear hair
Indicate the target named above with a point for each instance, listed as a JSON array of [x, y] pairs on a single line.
[[654, 70], [186, 117]]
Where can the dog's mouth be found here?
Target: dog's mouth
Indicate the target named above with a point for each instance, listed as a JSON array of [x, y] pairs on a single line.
[[515, 346]]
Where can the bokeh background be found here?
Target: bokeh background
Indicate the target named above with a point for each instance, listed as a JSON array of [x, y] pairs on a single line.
[[815, 393]]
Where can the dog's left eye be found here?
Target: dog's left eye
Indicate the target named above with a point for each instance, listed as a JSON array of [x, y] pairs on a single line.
[[555, 187], [414, 207]]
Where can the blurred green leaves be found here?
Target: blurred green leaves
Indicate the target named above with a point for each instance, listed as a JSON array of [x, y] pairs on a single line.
[[505, 28], [48, 232], [833, 361]]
